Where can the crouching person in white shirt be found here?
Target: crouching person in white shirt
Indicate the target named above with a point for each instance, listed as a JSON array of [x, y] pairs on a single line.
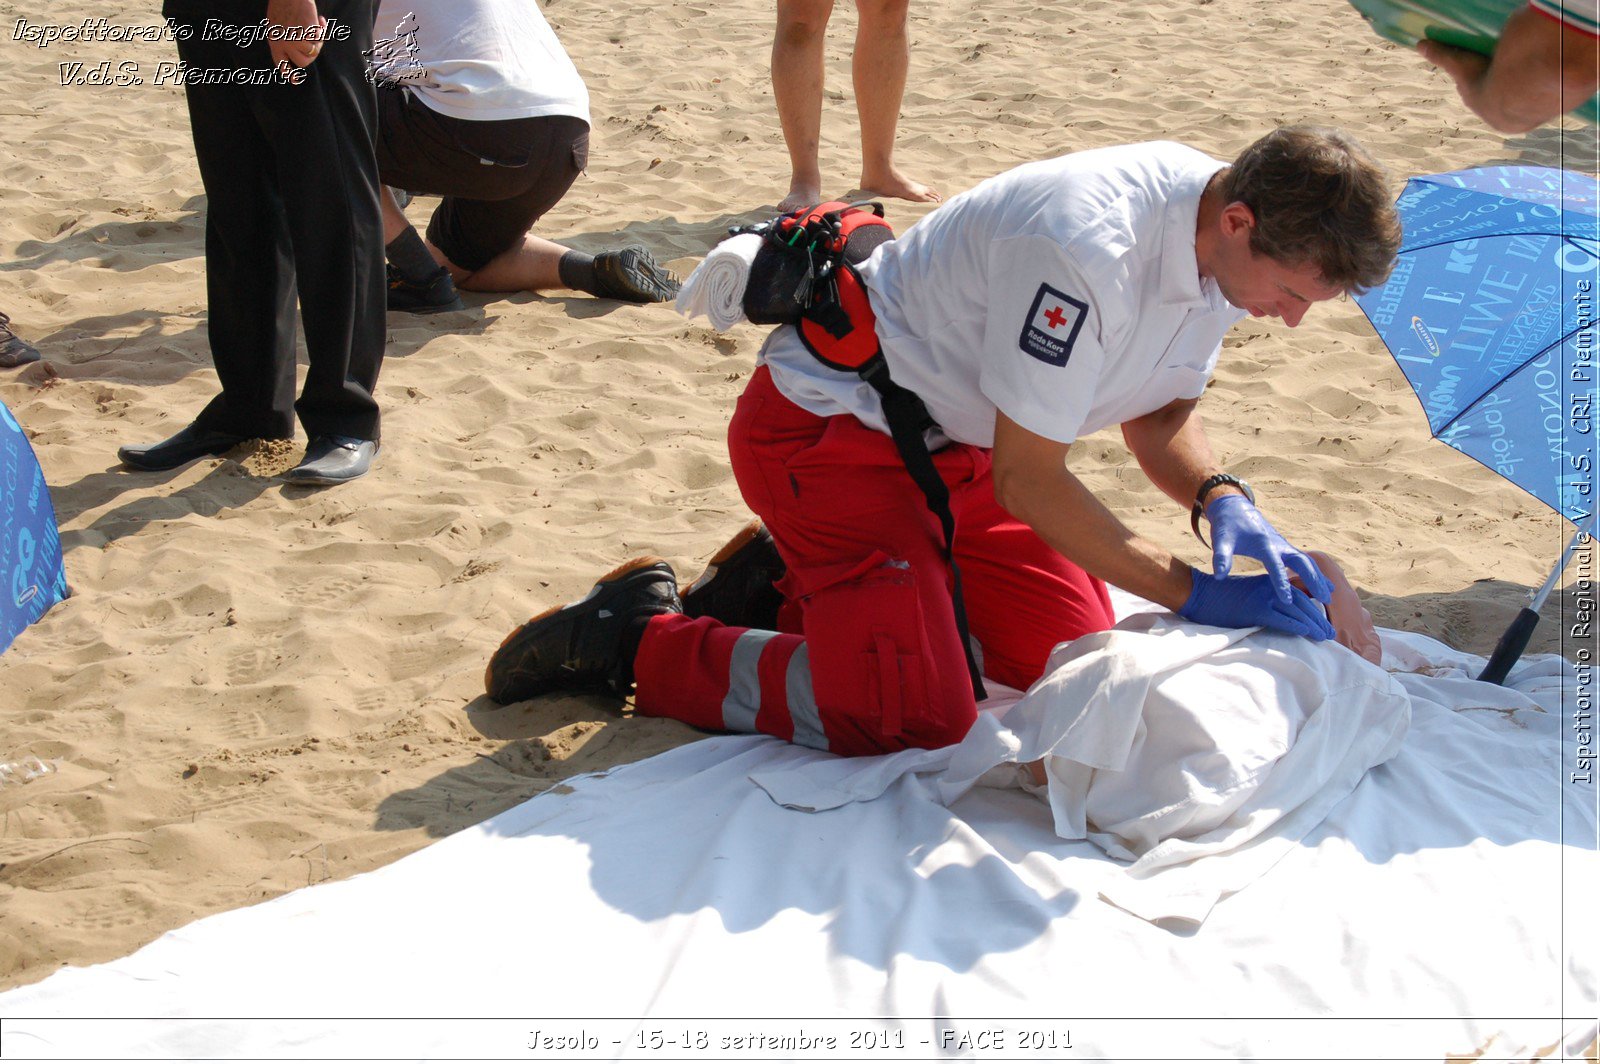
[[479, 104]]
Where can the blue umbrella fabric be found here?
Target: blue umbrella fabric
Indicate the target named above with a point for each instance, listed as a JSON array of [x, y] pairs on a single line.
[[30, 549], [1490, 314]]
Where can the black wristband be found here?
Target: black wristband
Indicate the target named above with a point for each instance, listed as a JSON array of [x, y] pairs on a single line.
[[1213, 481]]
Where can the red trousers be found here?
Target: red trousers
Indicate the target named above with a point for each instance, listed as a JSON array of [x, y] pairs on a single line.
[[875, 664]]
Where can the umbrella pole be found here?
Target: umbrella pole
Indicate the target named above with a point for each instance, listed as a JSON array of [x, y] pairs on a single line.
[[1515, 639]]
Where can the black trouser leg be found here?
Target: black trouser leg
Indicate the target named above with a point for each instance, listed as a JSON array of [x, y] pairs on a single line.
[[250, 282], [292, 187], [329, 183]]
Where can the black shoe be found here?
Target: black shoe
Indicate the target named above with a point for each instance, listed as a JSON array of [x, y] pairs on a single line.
[[631, 275], [181, 448], [14, 350], [435, 295], [736, 587], [586, 645], [333, 460]]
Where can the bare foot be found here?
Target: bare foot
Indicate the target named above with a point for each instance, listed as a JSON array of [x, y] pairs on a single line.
[[803, 192], [896, 185]]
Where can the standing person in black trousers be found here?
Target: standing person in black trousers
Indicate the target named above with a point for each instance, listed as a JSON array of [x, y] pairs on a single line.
[[284, 119]]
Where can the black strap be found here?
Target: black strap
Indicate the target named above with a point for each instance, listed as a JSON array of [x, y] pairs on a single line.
[[1216, 480], [908, 418]]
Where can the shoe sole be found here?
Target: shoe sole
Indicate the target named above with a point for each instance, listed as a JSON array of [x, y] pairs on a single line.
[[514, 646], [313, 481], [322, 482], [646, 276], [751, 533], [162, 467]]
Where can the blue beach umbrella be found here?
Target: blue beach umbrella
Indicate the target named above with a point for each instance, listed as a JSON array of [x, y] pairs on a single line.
[[1490, 314], [31, 575]]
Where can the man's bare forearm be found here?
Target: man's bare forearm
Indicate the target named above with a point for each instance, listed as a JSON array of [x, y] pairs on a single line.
[[1034, 485], [1068, 517]]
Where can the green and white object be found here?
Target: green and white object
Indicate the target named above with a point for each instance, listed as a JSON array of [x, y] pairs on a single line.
[[1471, 24]]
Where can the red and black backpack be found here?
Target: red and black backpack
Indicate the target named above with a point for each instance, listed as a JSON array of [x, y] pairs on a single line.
[[805, 274]]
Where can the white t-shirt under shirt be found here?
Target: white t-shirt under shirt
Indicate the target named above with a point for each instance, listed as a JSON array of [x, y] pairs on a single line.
[[1065, 293], [479, 60]]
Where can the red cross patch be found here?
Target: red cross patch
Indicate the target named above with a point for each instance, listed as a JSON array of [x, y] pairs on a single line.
[[1052, 326]]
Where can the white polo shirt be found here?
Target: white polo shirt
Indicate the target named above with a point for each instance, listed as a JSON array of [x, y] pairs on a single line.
[[479, 60], [1065, 293]]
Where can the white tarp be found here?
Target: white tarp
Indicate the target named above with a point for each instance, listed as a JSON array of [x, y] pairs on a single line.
[[1453, 886]]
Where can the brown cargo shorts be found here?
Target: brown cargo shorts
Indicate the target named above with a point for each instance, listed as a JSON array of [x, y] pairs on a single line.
[[497, 178]]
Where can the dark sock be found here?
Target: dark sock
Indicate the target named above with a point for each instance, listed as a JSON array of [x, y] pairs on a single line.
[[409, 255], [629, 650], [577, 272]]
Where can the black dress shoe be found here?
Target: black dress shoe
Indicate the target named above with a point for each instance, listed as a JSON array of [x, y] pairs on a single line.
[[333, 460], [181, 448]]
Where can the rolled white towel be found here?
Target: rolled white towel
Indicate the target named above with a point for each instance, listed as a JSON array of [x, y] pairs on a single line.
[[716, 287]]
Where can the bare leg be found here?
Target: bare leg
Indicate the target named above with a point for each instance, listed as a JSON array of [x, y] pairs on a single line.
[[628, 274], [878, 67], [531, 266], [797, 47]]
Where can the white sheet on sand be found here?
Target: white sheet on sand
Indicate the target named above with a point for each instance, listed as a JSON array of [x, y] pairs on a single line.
[[1450, 886]]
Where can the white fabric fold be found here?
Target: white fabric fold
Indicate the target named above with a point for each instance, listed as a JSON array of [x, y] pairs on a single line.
[[1164, 743], [715, 289]]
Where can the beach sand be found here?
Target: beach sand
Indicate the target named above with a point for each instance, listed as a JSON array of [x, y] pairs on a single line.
[[257, 687]]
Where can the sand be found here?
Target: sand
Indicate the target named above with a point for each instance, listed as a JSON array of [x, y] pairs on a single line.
[[256, 687]]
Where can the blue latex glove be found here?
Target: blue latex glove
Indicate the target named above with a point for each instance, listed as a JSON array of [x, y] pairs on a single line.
[[1247, 601], [1237, 527]]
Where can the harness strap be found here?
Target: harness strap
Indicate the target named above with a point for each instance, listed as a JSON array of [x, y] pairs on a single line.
[[908, 418]]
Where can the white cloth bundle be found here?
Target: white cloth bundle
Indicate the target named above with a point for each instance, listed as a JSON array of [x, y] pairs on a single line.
[[716, 287], [1164, 743]]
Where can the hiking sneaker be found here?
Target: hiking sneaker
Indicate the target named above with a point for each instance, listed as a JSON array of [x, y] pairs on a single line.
[[586, 645], [631, 275], [14, 350], [736, 587], [436, 295]]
